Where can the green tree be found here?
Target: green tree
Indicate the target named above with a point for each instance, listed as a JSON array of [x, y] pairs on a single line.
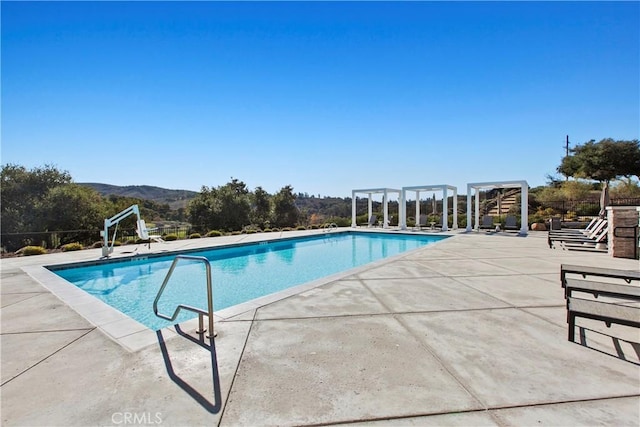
[[20, 192], [232, 201], [76, 208], [222, 208], [261, 208], [603, 161], [200, 210], [285, 211]]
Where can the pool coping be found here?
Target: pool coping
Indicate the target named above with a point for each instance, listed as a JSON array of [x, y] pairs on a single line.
[[134, 336]]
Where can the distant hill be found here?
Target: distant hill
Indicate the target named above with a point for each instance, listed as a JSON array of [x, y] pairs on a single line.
[[174, 198]]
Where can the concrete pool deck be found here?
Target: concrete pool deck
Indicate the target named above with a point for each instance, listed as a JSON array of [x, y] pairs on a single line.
[[469, 331]]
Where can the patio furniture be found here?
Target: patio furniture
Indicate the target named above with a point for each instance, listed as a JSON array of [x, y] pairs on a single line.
[[511, 223], [598, 235], [613, 310], [487, 222]]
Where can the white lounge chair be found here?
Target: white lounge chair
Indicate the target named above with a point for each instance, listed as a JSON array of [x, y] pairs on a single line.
[[596, 242], [585, 231]]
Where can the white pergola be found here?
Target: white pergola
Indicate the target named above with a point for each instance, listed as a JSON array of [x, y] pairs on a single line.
[[445, 208], [524, 211], [371, 191]]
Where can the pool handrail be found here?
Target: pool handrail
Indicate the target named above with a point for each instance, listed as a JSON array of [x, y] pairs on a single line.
[[201, 312]]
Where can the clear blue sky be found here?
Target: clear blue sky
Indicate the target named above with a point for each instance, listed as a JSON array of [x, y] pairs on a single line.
[[326, 97]]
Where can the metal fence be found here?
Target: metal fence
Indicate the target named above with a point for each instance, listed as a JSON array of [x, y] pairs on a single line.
[[569, 209], [11, 242]]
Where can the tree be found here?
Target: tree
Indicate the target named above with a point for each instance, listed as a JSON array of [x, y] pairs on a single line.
[[200, 210], [285, 211], [261, 207], [21, 190], [73, 207], [232, 201], [222, 208], [603, 161]]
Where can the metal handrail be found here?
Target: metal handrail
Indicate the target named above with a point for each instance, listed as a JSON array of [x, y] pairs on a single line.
[[328, 227], [201, 312]]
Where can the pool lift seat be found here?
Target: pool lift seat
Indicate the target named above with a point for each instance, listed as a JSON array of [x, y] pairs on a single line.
[[142, 229], [143, 232]]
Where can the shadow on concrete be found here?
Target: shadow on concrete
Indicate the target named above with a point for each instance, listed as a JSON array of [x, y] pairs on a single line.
[[214, 407], [616, 349]]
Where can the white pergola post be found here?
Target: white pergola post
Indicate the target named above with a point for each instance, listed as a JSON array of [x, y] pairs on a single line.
[[524, 209], [385, 209], [445, 210], [524, 203], [469, 210], [477, 209], [455, 208], [353, 209], [445, 206], [370, 192], [417, 206]]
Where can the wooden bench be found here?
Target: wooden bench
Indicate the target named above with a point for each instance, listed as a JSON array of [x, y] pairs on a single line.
[[608, 311]]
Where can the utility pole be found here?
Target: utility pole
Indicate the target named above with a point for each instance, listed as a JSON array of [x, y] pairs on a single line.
[[566, 148]]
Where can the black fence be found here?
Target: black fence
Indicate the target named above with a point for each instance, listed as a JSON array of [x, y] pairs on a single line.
[[570, 209], [11, 242]]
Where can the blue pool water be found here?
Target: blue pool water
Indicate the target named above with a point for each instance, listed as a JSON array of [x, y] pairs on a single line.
[[239, 273]]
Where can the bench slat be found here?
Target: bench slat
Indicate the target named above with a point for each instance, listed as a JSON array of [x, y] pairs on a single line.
[[584, 270], [608, 310], [603, 288]]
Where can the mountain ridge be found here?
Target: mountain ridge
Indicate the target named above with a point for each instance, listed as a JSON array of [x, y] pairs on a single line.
[[174, 198]]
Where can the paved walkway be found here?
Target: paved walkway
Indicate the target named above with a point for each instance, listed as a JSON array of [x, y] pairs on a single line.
[[469, 331]]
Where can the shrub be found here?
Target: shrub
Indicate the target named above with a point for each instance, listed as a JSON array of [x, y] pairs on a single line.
[[344, 222], [97, 245], [251, 229], [32, 250], [214, 233], [71, 247], [287, 229], [236, 233], [301, 227], [170, 237], [267, 230], [194, 236]]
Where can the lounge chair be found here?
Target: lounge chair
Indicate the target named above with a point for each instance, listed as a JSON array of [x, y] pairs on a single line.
[[487, 222], [594, 243], [373, 220], [596, 222], [143, 233], [595, 230], [511, 223], [422, 221]]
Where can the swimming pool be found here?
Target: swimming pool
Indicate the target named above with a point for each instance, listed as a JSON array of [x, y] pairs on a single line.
[[239, 273]]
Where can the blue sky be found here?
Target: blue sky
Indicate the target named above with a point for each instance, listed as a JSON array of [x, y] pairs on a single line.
[[326, 97]]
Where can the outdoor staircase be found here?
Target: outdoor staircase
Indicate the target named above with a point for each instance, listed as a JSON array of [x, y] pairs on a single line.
[[507, 200]]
